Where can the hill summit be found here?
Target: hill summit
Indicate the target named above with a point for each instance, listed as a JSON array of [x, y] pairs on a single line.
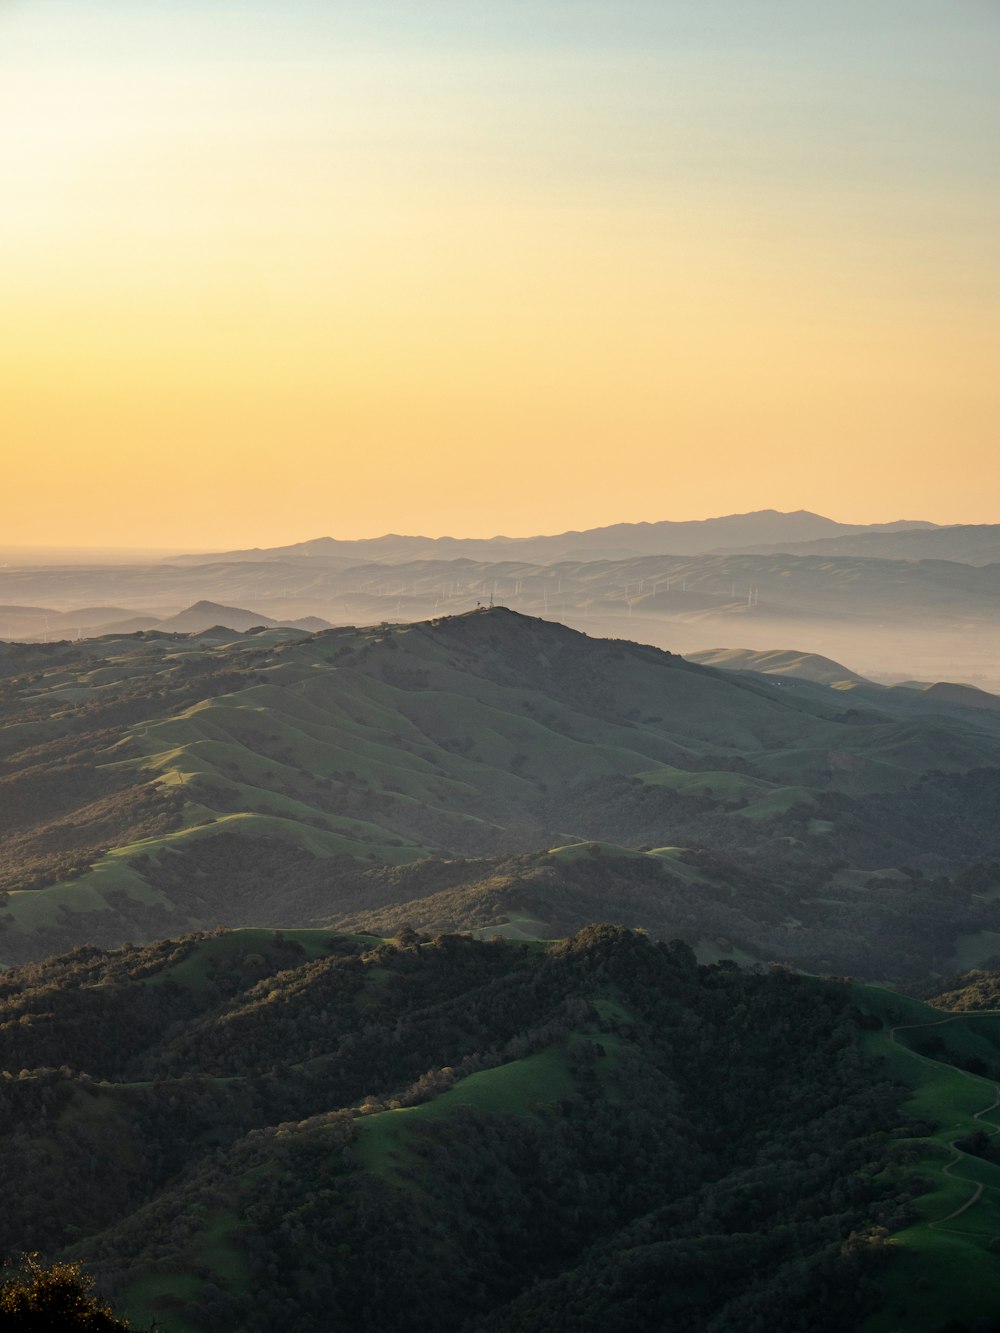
[[157, 781]]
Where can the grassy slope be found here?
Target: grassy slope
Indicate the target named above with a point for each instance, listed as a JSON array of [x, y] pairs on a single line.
[[942, 1266], [804, 666], [348, 742], [212, 1253], [149, 1302], [931, 1268], [523, 903], [519, 1088]]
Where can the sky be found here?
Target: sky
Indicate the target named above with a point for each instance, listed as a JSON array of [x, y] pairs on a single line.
[[273, 271]]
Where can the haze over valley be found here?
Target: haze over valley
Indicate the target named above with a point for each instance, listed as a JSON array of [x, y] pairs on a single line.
[[681, 586]]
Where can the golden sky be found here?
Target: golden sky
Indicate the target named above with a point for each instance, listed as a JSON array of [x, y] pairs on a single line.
[[479, 266]]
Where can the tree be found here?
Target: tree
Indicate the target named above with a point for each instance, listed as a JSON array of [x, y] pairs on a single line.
[[48, 1300]]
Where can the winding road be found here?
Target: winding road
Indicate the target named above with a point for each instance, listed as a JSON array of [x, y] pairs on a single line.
[[958, 1155]]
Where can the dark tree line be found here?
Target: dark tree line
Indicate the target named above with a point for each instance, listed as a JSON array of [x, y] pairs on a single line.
[[711, 1154]]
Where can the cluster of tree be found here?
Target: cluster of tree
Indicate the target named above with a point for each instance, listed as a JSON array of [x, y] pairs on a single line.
[[776, 908], [979, 989], [61, 846], [41, 1299], [685, 1146]]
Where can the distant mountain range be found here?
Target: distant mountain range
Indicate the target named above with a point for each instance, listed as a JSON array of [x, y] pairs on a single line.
[[894, 618], [619, 541], [969, 544]]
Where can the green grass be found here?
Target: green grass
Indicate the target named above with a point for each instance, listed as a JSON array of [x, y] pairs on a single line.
[[721, 784], [519, 1089], [520, 926], [151, 1298], [220, 1254], [611, 1010], [31, 909], [777, 802], [578, 851], [941, 1267], [936, 1277], [818, 828], [679, 864], [712, 951], [194, 970], [212, 1253]]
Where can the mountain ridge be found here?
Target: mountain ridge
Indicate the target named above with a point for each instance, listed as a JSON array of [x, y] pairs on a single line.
[[966, 543], [158, 781], [657, 537]]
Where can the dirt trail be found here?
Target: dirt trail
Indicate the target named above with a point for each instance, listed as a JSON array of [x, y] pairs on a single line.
[[957, 1154]]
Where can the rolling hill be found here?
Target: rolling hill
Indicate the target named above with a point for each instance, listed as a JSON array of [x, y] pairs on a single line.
[[926, 619], [205, 615], [267, 1131], [36, 624], [942, 1272], [779, 662], [156, 783]]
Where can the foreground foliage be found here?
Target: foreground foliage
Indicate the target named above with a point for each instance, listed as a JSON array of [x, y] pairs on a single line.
[[39, 1299], [265, 1132]]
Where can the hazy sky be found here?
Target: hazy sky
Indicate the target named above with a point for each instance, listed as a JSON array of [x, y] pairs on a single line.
[[469, 266]]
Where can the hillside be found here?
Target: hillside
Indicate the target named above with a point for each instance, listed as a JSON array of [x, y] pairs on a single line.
[[927, 619], [31, 623], [205, 615], [943, 1272], [971, 544], [780, 662], [157, 783], [845, 589], [272, 1131], [739, 588]]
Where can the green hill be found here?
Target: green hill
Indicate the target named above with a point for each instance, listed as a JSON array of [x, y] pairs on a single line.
[[778, 662], [901, 618], [944, 1271], [157, 783], [266, 1131]]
